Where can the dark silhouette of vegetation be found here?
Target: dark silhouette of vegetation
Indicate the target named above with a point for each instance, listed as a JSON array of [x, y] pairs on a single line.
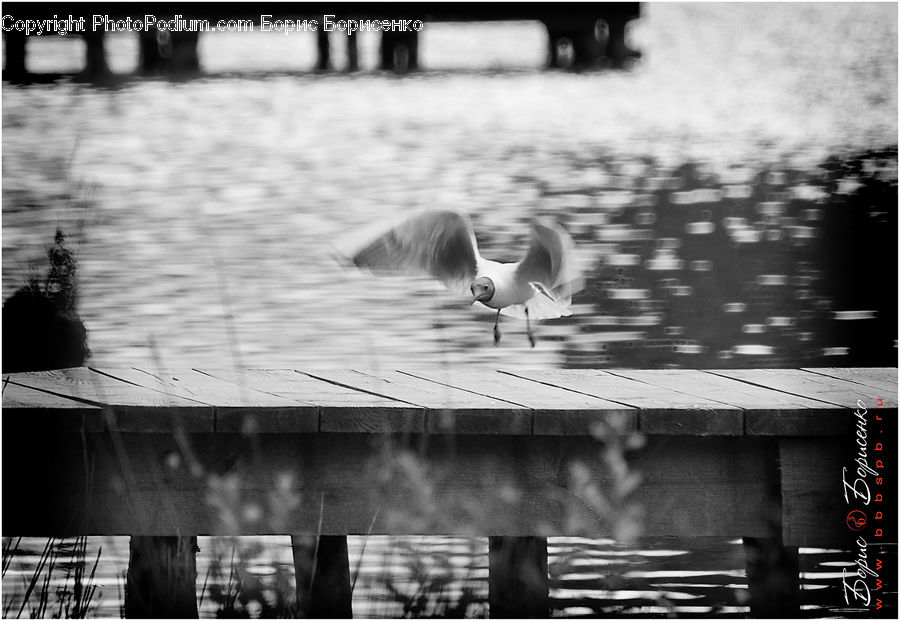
[[74, 596], [41, 327]]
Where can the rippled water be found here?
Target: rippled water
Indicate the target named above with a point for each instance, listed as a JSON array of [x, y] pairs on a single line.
[[693, 185], [587, 577], [211, 207]]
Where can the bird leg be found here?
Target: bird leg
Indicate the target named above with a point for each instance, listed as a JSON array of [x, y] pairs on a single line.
[[497, 329], [528, 326]]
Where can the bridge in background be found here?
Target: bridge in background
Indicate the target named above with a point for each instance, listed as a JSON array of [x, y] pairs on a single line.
[[580, 35]]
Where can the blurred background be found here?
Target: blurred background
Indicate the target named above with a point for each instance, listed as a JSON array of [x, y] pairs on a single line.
[[732, 193]]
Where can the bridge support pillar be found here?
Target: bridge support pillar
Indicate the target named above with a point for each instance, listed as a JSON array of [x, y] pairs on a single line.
[[95, 67], [585, 42], [773, 577], [400, 51], [352, 52], [162, 577], [574, 46], [14, 70], [617, 50], [169, 53], [518, 583], [322, 571], [773, 568], [323, 60]]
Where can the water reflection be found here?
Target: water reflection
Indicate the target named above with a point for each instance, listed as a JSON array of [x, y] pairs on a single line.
[[185, 193], [588, 577]]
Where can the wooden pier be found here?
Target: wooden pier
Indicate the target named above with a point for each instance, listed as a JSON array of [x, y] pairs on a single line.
[[736, 453], [580, 35]]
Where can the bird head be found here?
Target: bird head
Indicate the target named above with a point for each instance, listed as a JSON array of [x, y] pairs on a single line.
[[482, 289]]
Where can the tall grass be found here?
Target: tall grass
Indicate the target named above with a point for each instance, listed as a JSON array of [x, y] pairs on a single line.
[[61, 585], [418, 578], [236, 591]]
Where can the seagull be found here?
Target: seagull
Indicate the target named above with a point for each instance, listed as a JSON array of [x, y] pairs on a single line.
[[442, 243]]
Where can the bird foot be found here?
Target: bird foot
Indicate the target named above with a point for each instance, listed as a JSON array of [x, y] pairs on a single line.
[[531, 340], [496, 337]]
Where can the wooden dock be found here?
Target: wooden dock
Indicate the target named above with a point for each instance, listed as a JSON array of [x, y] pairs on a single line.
[[511, 455], [579, 35]]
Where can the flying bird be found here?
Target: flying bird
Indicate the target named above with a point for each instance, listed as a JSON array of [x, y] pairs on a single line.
[[441, 243]]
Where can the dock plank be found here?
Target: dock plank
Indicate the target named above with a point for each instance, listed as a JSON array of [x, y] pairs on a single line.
[[810, 385], [555, 411], [661, 411], [766, 412], [132, 408], [341, 409], [237, 407], [447, 409], [28, 409], [881, 379]]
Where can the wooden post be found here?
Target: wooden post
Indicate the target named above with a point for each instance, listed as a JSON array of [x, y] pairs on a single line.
[[185, 59], [324, 58], [14, 70], [149, 56], [553, 42], [617, 50], [773, 569], [95, 67], [400, 51], [162, 577], [773, 575], [586, 49], [518, 584], [352, 52], [322, 570], [168, 53]]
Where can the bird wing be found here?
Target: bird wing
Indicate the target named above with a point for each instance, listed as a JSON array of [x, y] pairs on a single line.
[[439, 243], [550, 262]]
